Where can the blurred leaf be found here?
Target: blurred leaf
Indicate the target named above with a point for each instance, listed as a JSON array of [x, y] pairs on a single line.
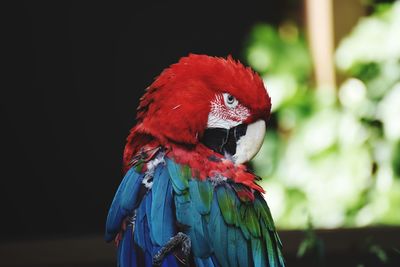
[[312, 245], [272, 52], [396, 160], [366, 71], [379, 252]]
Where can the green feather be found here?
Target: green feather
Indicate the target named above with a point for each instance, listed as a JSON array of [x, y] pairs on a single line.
[[264, 213], [139, 166], [178, 176], [280, 256], [271, 249], [226, 202], [242, 224], [186, 172], [278, 239], [250, 220], [272, 241]]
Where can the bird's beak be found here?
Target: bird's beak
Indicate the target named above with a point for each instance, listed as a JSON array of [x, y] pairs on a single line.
[[249, 144], [240, 143]]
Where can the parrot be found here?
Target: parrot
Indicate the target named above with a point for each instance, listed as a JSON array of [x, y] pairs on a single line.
[[189, 196]]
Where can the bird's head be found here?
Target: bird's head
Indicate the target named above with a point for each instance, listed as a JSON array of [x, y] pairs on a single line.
[[214, 101]]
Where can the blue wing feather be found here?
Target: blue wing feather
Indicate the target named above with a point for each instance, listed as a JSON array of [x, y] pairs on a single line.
[[154, 222], [117, 213], [170, 261], [130, 195], [140, 222], [142, 232], [162, 214], [204, 262], [127, 254]]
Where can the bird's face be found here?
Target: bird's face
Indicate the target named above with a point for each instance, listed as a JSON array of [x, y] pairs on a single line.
[[228, 131]]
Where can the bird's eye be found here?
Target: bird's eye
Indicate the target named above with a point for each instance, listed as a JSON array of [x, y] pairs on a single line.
[[230, 101]]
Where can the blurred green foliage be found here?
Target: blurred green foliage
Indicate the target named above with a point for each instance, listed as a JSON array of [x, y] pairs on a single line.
[[330, 156]]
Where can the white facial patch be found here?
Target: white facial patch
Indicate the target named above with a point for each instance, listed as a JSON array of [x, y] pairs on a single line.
[[223, 115], [214, 121]]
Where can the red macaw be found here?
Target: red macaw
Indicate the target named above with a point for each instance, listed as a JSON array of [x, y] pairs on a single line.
[[187, 198]]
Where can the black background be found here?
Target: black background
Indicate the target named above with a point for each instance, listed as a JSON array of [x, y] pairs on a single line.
[[72, 76]]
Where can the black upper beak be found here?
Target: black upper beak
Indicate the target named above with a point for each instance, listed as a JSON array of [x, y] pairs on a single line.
[[224, 141]]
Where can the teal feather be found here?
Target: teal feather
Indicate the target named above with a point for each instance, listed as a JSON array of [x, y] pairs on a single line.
[[123, 203], [199, 236], [204, 262], [232, 247], [258, 251], [182, 210], [218, 233], [130, 194], [148, 200], [182, 198], [188, 215], [242, 249], [161, 216], [201, 193]]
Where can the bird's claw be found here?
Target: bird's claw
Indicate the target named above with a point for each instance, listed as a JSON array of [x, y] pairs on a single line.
[[179, 239]]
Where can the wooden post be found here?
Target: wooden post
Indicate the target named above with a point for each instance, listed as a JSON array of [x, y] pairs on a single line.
[[319, 21], [328, 21]]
